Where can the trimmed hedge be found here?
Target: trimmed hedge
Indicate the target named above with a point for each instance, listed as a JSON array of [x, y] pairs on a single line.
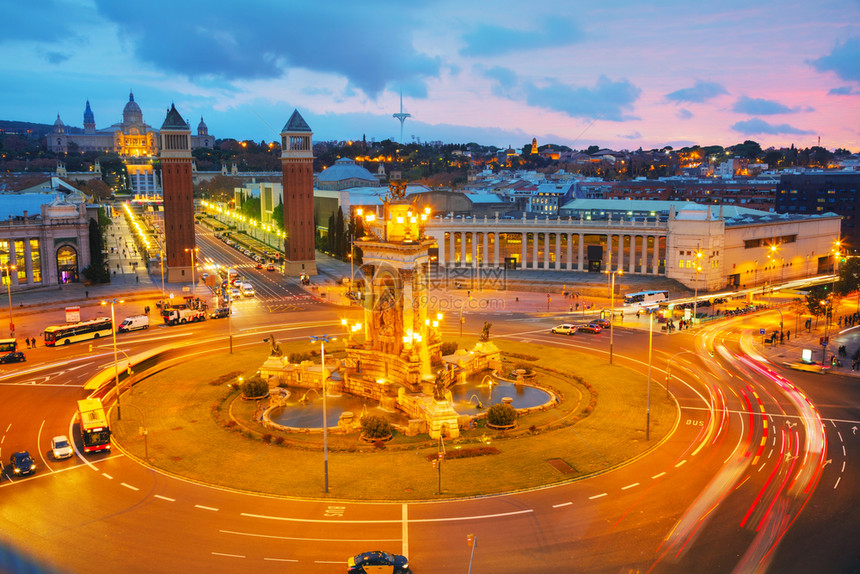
[[501, 414]]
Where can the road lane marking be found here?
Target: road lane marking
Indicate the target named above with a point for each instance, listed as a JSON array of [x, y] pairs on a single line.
[[129, 486], [681, 463], [597, 496], [562, 504], [227, 555], [629, 486], [395, 521], [168, 499], [201, 507], [837, 482], [107, 476], [280, 560], [843, 466], [659, 475], [299, 539]]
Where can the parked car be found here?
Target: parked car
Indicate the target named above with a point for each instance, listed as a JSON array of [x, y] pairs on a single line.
[[590, 328], [61, 447], [22, 463], [378, 561], [564, 329], [13, 357], [602, 323]]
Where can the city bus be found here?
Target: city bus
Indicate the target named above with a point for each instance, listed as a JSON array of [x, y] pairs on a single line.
[[95, 430], [645, 298], [65, 334], [8, 346]]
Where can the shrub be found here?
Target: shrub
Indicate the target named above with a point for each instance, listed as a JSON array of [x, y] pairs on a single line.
[[279, 440], [255, 387], [468, 452], [299, 357], [267, 438], [501, 414], [448, 348], [375, 427]]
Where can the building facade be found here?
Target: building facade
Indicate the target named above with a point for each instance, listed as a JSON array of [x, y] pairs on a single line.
[[820, 192]]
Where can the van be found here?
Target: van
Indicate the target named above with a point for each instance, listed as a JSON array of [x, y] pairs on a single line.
[[247, 289], [133, 324]]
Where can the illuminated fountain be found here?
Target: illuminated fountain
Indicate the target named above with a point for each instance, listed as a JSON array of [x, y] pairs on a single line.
[[400, 363]]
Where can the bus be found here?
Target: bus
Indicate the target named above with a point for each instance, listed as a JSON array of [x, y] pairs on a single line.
[[65, 334], [95, 430], [645, 298], [8, 345]]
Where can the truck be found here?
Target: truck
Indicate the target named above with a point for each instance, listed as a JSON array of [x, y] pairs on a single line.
[[182, 316], [133, 323]]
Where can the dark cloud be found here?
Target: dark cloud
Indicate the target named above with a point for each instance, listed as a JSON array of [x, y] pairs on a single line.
[[607, 100], [684, 114], [263, 39], [700, 92], [486, 40], [56, 57], [21, 19], [505, 80], [843, 91], [758, 126], [761, 107], [844, 60]]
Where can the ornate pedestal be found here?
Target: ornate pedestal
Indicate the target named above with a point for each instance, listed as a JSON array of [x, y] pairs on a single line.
[[440, 416]]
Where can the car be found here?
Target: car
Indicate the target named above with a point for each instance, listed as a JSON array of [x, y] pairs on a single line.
[[270, 267], [235, 293], [220, 313], [13, 357], [378, 561], [61, 447], [590, 328], [564, 329], [22, 463], [258, 266], [602, 323]]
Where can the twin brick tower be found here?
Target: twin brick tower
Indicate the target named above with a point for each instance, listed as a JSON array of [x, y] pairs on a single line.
[[297, 161]]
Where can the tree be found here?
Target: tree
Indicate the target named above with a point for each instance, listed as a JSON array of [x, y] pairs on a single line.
[[96, 271], [341, 240], [501, 414], [278, 216], [251, 208], [849, 276], [98, 189]]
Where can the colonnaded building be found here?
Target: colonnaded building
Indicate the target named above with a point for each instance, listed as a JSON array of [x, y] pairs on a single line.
[[706, 246]]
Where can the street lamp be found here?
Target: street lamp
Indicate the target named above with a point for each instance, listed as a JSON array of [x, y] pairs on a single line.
[[698, 264], [612, 304], [193, 267], [161, 263], [827, 309], [112, 302], [650, 346], [323, 339], [9, 269]]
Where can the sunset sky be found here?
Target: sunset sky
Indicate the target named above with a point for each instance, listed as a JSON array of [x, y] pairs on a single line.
[[615, 74]]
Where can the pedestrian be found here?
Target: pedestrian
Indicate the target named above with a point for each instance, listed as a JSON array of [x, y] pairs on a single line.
[[136, 279], [788, 336], [781, 337], [28, 342], [87, 294]]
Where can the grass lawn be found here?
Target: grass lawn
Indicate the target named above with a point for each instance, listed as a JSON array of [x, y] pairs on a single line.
[[187, 409]]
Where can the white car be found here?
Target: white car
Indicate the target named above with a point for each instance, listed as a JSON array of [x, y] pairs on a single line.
[[235, 293], [61, 448], [564, 329]]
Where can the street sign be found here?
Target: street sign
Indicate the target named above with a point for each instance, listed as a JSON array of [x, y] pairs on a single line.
[[761, 331]]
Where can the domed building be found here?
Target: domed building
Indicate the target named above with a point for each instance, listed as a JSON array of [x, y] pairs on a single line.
[[344, 174], [132, 138]]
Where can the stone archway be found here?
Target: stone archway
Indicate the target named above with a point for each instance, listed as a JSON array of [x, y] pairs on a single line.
[[67, 264]]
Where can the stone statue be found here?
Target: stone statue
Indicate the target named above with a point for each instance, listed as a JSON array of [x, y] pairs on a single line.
[[440, 388], [276, 348]]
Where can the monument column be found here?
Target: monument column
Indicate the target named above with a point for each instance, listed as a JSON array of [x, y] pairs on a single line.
[[535, 256], [177, 185], [631, 267], [580, 252], [485, 257], [297, 163], [496, 248], [524, 248]]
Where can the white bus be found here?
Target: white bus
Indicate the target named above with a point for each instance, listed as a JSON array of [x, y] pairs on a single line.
[[645, 298], [65, 334]]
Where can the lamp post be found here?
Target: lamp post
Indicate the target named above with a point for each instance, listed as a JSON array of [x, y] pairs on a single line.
[[161, 264], [193, 267], [323, 339], [696, 294], [650, 346], [826, 304], [112, 302], [9, 269]]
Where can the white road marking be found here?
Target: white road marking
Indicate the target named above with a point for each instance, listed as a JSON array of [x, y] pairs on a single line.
[[629, 486], [227, 555], [659, 475], [39, 442], [681, 463], [562, 504], [280, 560], [843, 450], [840, 436], [165, 498], [276, 537], [107, 476], [10, 426], [129, 486], [397, 521], [843, 466], [837, 483], [597, 496], [201, 507]]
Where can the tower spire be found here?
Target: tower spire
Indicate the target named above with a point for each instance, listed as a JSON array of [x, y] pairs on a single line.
[[401, 116]]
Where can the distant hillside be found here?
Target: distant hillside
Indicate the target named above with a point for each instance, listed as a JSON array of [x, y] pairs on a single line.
[[34, 130]]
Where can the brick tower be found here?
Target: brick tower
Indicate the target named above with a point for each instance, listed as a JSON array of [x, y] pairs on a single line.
[[297, 160], [175, 152]]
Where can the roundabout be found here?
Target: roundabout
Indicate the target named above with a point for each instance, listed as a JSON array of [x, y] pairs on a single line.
[[198, 428]]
